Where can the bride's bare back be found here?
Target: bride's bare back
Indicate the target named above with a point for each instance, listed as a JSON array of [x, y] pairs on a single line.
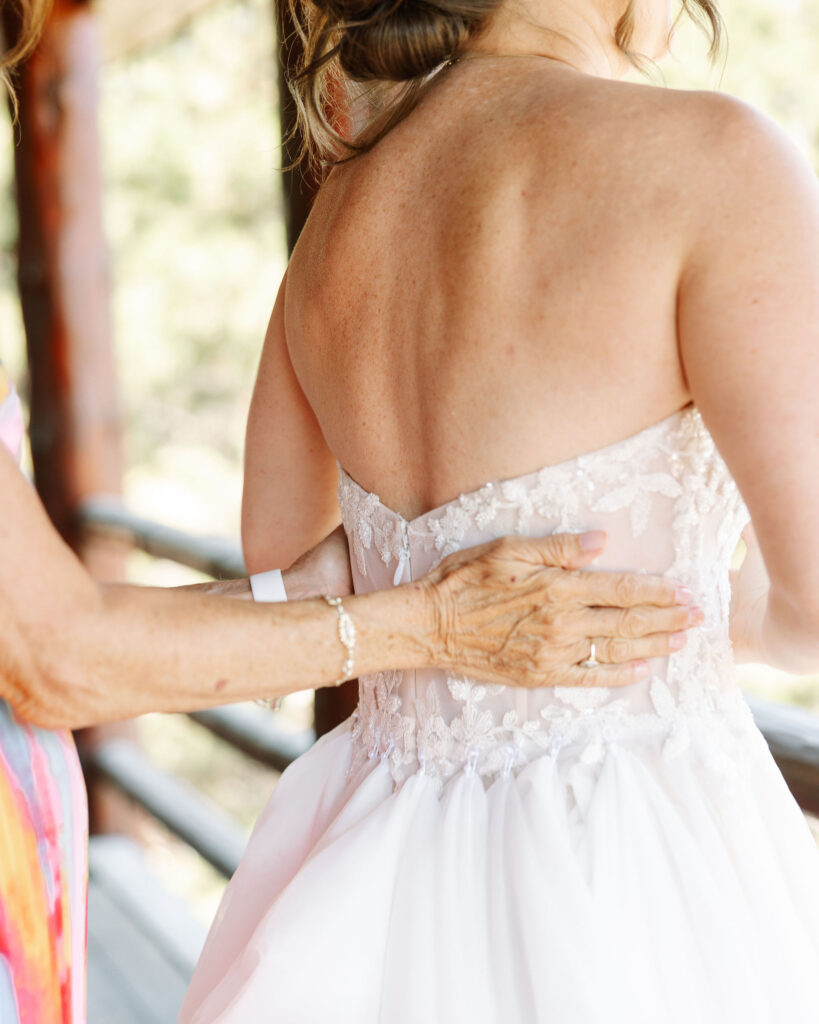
[[477, 298], [534, 264]]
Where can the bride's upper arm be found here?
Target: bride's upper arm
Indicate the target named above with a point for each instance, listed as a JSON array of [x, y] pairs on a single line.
[[289, 499], [749, 334]]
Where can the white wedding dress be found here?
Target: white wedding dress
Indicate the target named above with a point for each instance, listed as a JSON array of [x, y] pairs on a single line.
[[462, 853]]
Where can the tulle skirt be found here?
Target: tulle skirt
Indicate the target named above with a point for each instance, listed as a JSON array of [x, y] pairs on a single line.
[[637, 890]]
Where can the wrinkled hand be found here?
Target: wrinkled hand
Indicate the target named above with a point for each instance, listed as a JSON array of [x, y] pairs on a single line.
[[517, 611]]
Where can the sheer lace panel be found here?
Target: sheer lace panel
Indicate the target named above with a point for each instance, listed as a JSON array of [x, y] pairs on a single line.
[[669, 506]]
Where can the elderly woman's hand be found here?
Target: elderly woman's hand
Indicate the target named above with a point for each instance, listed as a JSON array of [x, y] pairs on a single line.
[[518, 611]]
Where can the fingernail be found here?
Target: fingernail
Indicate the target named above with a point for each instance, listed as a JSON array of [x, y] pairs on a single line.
[[595, 540], [677, 640], [684, 595], [696, 616], [641, 669]]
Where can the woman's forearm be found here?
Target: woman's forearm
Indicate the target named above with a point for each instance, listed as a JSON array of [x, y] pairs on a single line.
[[147, 649], [75, 653], [116, 651], [495, 612]]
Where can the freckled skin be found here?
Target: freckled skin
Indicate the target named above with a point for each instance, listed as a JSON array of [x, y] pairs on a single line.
[[446, 335], [639, 247]]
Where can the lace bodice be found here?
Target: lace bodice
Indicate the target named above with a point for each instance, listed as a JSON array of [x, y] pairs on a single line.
[[669, 506]]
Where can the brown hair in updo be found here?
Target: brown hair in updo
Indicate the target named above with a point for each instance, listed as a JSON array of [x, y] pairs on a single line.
[[392, 49]]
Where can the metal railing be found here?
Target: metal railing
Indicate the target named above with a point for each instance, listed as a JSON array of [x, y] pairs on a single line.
[[792, 733], [178, 805], [219, 558]]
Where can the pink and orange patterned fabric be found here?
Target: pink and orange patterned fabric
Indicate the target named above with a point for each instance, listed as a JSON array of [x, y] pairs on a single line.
[[43, 850]]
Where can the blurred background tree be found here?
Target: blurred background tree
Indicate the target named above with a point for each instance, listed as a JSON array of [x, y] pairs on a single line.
[[194, 218], [771, 53]]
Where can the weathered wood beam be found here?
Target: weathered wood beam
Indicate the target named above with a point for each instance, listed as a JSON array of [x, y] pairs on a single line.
[[180, 807], [214, 556], [260, 736], [792, 734], [299, 188], [64, 291], [64, 274]]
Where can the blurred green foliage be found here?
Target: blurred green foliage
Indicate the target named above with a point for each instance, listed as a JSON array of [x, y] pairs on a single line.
[[770, 60], [193, 213]]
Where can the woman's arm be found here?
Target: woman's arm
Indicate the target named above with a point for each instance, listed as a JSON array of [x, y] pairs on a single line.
[[74, 653], [749, 332], [289, 501], [324, 569]]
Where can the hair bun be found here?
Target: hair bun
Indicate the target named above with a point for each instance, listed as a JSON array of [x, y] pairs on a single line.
[[393, 45], [399, 41]]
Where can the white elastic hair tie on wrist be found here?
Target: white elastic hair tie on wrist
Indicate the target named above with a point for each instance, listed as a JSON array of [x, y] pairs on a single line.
[[268, 586]]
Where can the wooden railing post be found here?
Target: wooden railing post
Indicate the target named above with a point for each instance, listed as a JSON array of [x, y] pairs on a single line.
[[299, 188], [64, 273], [64, 279]]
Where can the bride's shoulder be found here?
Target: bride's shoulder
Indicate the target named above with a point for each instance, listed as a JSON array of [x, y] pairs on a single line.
[[703, 136], [699, 123], [731, 158], [700, 143], [718, 124]]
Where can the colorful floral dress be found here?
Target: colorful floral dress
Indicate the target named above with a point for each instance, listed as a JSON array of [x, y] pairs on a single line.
[[43, 850]]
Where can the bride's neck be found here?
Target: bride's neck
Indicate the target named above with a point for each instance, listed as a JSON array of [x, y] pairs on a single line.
[[580, 35]]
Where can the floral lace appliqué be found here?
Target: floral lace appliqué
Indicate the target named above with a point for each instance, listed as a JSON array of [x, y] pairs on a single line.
[[448, 723]]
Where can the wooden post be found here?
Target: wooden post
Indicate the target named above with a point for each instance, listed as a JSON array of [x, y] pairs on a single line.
[[332, 705], [299, 189], [63, 273], [64, 278]]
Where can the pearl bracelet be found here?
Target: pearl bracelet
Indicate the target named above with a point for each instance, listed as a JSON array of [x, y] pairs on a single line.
[[347, 637]]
